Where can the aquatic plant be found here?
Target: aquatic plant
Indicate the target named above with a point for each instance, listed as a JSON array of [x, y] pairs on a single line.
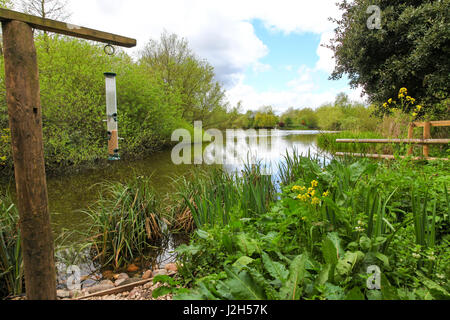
[[11, 261], [126, 221]]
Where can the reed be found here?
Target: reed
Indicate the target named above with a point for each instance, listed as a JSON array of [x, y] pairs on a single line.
[[126, 221], [11, 261]]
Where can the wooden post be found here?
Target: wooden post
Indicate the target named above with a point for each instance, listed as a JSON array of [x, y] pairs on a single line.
[[410, 136], [426, 135], [25, 120]]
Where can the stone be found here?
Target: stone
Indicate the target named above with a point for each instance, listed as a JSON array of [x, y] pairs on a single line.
[[120, 282], [121, 276], [102, 286], [63, 294], [147, 275], [171, 267], [160, 272]]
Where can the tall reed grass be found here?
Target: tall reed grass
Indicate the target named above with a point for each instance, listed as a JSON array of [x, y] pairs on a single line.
[[11, 262], [215, 197], [126, 221]]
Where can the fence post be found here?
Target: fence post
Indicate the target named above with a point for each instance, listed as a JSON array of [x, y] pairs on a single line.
[[426, 136], [411, 136]]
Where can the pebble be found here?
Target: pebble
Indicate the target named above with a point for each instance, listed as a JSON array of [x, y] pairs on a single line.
[[171, 267], [160, 272], [147, 275]]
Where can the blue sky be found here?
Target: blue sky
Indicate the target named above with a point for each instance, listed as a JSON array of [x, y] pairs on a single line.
[[286, 54]]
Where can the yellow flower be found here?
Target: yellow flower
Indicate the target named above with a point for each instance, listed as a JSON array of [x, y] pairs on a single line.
[[401, 95], [414, 114], [403, 91], [390, 101], [326, 194], [314, 183], [315, 200], [385, 105], [419, 107]]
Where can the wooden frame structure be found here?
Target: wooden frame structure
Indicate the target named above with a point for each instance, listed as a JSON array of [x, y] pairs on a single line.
[[426, 141], [25, 121]]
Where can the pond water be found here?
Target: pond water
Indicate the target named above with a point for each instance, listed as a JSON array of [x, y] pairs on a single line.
[[70, 195]]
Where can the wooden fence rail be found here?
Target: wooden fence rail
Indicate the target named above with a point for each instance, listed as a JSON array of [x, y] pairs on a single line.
[[425, 142]]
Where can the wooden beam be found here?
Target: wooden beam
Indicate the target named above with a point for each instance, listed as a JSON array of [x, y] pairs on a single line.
[[25, 121], [67, 29], [384, 156], [400, 141], [443, 123]]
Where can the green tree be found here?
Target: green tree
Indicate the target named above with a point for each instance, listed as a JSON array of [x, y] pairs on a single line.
[[410, 50], [185, 73]]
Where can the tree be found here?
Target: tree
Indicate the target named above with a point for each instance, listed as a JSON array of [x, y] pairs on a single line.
[[47, 9], [410, 50], [182, 71]]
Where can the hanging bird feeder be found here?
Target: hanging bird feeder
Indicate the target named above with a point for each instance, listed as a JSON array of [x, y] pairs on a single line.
[[111, 112]]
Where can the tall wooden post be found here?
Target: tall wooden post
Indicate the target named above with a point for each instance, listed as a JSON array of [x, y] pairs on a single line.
[[25, 119], [411, 136], [426, 136]]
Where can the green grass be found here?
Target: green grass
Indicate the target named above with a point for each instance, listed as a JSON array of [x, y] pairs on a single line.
[[327, 141], [11, 262]]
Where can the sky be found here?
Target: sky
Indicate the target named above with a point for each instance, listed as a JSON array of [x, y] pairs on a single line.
[[264, 52]]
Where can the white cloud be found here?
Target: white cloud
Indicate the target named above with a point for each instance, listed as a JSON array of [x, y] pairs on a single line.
[[326, 57], [222, 33]]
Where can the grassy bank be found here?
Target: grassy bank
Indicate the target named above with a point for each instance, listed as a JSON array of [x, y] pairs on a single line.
[[314, 240], [327, 141], [327, 229]]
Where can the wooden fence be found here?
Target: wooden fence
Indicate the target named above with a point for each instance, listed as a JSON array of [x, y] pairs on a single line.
[[426, 141]]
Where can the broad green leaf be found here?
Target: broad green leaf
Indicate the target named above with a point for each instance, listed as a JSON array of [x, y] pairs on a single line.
[[383, 258], [242, 286], [275, 269], [333, 292], [246, 245], [291, 289], [355, 294], [243, 262], [345, 265]]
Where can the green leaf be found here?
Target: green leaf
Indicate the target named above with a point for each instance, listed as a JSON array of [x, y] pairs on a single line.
[[246, 245], [243, 262], [436, 290], [297, 273], [242, 286], [355, 294], [345, 265], [383, 259], [333, 292], [203, 234], [161, 291], [275, 269], [365, 243]]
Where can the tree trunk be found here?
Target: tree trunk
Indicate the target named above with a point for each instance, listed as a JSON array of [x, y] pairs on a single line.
[[25, 120]]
